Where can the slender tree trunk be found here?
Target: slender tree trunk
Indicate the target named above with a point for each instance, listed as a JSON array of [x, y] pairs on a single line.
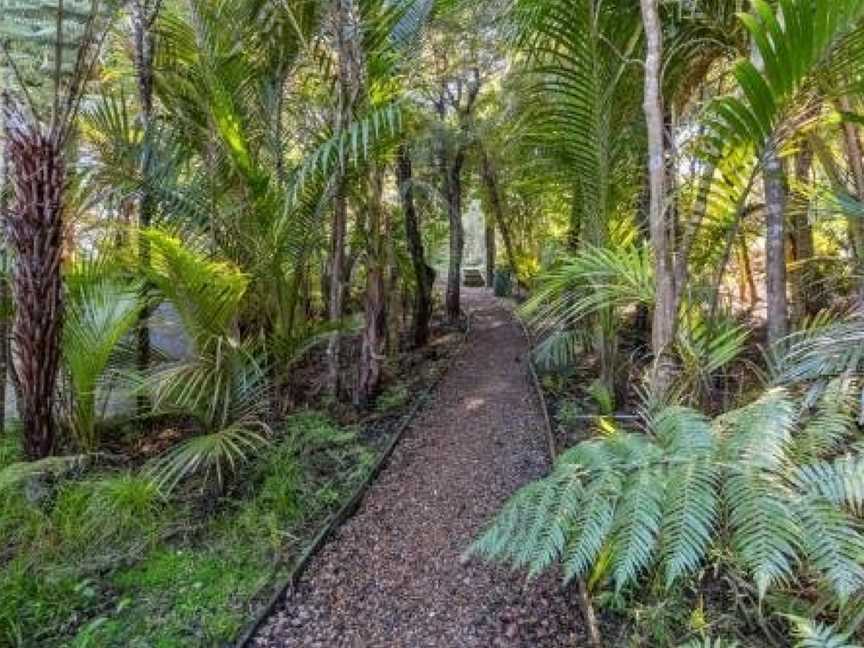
[[747, 271], [776, 193], [35, 233], [144, 14], [853, 149], [349, 84], [338, 232], [801, 239], [4, 284], [424, 276], [372, 353], [491, 251], [453, 192], [665, 311], [490, 179]]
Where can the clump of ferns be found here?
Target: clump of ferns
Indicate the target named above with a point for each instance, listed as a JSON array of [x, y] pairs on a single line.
[[767, 485]]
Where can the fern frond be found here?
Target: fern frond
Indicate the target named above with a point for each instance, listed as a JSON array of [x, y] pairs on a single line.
[[833, 545], [840, 482], [812, 634], [637, 526], [833, 423], [764, 533], [689, 517], [593, 525]]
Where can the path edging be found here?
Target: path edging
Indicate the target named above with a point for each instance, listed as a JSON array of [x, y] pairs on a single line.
[[588, 613], [347, 510]]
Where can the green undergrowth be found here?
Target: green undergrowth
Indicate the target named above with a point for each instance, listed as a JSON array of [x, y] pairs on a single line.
[[105, 560]]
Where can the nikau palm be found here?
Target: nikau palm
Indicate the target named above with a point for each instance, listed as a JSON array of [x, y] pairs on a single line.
[[35, 229]]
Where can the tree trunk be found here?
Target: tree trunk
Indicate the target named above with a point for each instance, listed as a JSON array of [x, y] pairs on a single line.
[[372, 352], [424, 276], [853, 149], [338, 231], [35, 233], [776, 191], [490, 179], [453, 192], [144, 14], [803, 278], [4, 284], [349, 82], [491, 251], [665, 311]]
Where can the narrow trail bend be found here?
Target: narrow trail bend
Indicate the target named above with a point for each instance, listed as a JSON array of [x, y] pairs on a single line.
[[392, 575]]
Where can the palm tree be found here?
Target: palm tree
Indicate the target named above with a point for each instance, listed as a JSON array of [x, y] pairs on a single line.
[[38, 177]]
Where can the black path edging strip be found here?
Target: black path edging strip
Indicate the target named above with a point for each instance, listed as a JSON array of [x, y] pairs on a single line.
[[350, 507], [588, 613]]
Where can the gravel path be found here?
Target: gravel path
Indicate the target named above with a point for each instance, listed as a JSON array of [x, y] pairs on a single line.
[[392, 575]]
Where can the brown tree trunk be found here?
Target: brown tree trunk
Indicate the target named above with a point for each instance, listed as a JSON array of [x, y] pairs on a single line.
[[776, 193], [853, 149], [801, 239], [665, 310], [35, 233], [4, 284], [338, 232], [747, 271], [424, 276], [372, 352], [490, 179], [491, 251], [452, 175], [349, 86]]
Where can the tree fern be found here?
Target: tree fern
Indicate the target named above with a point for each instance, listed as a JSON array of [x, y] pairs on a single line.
[[657, 499]]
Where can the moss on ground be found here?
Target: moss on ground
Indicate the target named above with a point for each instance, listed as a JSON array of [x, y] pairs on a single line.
[[107, 562]]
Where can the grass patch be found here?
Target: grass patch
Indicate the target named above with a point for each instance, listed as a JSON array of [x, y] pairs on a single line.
[[393, 398], [106, 561]]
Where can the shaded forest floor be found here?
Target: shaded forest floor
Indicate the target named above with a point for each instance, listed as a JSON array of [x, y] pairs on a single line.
[[392, 575]]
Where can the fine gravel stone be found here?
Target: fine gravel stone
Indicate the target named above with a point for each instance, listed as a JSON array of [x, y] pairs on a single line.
[[393, 575]]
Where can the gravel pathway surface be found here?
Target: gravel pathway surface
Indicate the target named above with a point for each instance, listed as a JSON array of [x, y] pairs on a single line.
[[392, 575]]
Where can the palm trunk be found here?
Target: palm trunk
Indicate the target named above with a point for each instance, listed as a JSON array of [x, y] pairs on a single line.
[[35, 233], [665, 311], [776, 191], [424, 276], [372, 353], [4, 284], [801, 239], [347, 49], [338, 233], [143, 19]]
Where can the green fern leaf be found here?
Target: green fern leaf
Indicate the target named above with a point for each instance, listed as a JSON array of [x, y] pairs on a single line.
[[764, 534], [637, 526], [812, 634], [689, 517], [833, 545]]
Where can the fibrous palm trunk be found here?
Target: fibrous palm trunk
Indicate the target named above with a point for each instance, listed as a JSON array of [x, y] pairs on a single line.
[[372, 352], [34, 226]]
